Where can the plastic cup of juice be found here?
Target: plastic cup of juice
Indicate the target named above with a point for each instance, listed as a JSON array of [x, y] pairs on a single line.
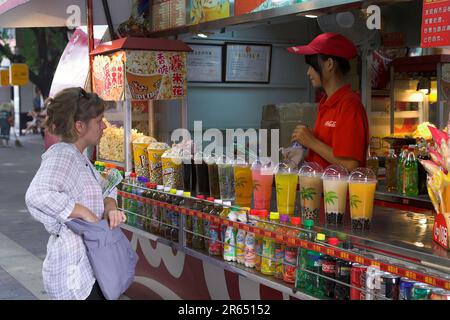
[[286, 180], [362, 183], [335, 186], [243, 184], [262, 176], [310, 181], [226, 178]]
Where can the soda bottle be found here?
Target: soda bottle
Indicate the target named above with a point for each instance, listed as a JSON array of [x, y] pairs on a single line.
[[171, 199], [280, 246], [391, 171], [302, 258], [133, 203], [411, 174], [313, 280], [400, 175], [209, 206], [156, 211], [141, 206], [329, 270], [262, 215], [215, 245], [240, 238], [165, 221], [423, 155], [186, 203], [197, 225], [126, 188], [343, 271], [250, 248], [229, 247], [175, 235], [268, 247], [224, 215], [148, 207], [290, 253]]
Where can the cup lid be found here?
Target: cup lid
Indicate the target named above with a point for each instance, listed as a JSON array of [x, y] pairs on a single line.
[[362, 175], [285, 168], [264, 165], [335, 172], [310, 169], [224, 160]]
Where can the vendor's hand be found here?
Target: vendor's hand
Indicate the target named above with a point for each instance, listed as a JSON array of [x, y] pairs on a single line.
[[115, 218], [304, 136]]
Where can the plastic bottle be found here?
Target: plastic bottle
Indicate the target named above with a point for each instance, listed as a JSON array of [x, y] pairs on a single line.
[[209, 206], [197, 225], [302, 258], [280, 246], [171, 199], [186, 203], [156, 211], [372, 162], [391, 171], [215, 245], [240, 238], [224, 215], [250, 248], [165, 220], [411, 175], [329, 270], [263, 216], [175, 235], [343, 270], [148, 207], [133, 203], [141, 206], [423, 155], [125, 200], [268, 247], [229, 249], [400, 163], [290, 253]]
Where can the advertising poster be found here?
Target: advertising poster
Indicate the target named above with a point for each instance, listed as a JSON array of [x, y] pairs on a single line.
[[435, 23], [208, 10], [107, 77], [248, 6]]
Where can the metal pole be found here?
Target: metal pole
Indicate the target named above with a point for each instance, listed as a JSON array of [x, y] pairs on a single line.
[[127, 139], [90, 30], [151, 118], [108, 19]]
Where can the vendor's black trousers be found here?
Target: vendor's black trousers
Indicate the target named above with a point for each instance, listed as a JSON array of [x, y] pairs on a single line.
[[96, 293]]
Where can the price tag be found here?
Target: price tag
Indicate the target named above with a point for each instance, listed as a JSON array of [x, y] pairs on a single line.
[[316, 248], [331, 252], [392, 269], [411, 275], [344, 255], [430, 280], [291, 241], [268, 234], [279, 237], [375, 264], [440, 231], [359, 260]]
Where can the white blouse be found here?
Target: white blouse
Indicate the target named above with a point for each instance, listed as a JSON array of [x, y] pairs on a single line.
[[66, 177]]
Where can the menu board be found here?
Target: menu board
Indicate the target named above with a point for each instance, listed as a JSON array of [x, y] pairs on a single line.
[[205, 63], [208, 10], [168, 14], [248, 63], [161, 15], [435, 23], [248, 6]]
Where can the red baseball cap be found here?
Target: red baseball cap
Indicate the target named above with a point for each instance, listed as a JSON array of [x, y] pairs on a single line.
[[328, 43]]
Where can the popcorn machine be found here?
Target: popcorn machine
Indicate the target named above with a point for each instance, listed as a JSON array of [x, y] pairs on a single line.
[[133, 75]]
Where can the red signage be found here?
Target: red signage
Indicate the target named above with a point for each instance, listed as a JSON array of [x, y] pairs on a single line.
[[440, 231], [435, 23]]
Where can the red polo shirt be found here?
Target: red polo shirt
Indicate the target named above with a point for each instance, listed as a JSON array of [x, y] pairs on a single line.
[[342, 124]]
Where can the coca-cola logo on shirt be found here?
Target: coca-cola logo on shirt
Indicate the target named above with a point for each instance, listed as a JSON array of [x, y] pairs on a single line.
[[330, 124]]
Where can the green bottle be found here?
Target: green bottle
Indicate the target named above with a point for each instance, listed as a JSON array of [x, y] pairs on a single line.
[[302, 257], [411, 175], [400, 175]]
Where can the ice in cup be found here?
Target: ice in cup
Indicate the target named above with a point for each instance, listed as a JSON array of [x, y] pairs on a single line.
[[362, 183], [226, 178], [262, 175], [154, 152], [286, 180], [243, 183], [335, 186], [310, 182]]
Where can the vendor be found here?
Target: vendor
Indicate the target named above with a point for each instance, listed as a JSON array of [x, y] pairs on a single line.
[[341, 131]]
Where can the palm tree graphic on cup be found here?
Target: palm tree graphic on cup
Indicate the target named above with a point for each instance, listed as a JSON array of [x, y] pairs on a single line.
[[354, 201], [330, 197]]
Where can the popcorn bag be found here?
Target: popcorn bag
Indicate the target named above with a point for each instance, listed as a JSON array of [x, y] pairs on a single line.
[[172, 168], [154, 153]]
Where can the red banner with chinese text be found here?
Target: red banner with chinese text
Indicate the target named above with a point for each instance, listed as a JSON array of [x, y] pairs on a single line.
[[435, 23]]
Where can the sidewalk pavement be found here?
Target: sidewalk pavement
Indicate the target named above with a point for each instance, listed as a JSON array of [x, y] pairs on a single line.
[[23, 240]]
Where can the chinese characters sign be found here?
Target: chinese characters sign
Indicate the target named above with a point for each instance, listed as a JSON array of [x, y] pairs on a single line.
[[248, 63], [168, 14], [205, 63], [435, 23], [140, 75]]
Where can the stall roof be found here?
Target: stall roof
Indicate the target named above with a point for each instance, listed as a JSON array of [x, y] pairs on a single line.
[[420, 63], [130, 43]]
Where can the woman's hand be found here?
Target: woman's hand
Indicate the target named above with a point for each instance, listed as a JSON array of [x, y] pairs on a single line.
[[304, 136], [115, 218], [91, 218]]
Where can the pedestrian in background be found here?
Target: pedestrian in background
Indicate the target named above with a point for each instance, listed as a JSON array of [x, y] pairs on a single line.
[[6, 121], [67, 186]]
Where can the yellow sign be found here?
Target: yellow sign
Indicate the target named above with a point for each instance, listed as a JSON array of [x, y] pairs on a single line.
[[18, 74], [4, 77]]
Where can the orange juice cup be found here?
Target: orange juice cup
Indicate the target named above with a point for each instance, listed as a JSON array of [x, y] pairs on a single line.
[[361, 184], [243, 184]]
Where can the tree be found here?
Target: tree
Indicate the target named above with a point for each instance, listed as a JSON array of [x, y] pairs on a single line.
[[40, 49]]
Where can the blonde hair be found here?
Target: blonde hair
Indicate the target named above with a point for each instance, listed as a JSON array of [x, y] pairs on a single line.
[[69, 106]]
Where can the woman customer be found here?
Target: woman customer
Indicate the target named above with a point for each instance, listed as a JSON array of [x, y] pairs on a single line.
[[341, 131], [67, 186]]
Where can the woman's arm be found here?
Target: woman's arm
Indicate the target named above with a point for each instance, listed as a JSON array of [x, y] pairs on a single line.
[[111, 214]]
